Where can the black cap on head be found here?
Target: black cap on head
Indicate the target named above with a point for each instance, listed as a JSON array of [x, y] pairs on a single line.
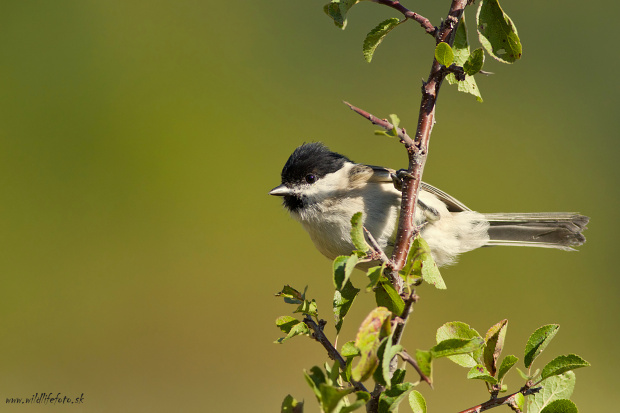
[[311, 158]]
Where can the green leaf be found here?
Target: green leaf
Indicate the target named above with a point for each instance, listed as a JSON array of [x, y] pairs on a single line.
[[494, 343], [343, 300], [338, 9], [538, 341], [562, 364], [497, 32], [425, 362], [386, 296], [286, 322], [315, 378], [389, 353], [398, 377], [357, 233], [362, 398], [457, 329], [561, 406], [374, 328], [444, 54], [394, 120], [520, 401], [461, 55], [378, 373], [374, 274], [391, 398], [553, 388], [294, 330], [474, 62], [479, 372], [460, 46], [417, 402], [333, 372], [349, 350], [506, 365], [470, 86], [420, 263], [343, 267], [308, 308], [456, 346], [376, 36], [291, 295], [290, 405], [332, 397], [523, 375]]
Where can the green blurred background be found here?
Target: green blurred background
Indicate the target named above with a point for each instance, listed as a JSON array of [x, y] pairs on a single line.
[[138, 140]]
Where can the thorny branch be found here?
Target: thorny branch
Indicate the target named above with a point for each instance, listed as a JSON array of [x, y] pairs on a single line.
[[417, 150]]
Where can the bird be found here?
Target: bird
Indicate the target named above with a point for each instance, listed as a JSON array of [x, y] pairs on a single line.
[[322, 190]]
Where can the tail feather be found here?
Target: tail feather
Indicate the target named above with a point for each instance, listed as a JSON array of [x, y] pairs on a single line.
[[560, 230]]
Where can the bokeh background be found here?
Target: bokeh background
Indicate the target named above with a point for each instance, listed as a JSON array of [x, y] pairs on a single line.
[[139, 251]]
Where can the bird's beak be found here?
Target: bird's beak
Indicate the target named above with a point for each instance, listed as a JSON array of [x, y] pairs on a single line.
[[280, 190]]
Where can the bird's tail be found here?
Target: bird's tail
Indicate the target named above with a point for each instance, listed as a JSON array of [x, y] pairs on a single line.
[[560, 230]]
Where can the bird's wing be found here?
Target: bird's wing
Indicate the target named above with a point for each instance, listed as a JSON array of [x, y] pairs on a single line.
[[453, 204], [381, 174]]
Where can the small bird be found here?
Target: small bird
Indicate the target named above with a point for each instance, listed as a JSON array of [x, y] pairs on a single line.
[[323, 189]]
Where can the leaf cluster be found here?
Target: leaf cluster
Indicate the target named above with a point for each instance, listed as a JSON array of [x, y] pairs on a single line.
[[496, 32]]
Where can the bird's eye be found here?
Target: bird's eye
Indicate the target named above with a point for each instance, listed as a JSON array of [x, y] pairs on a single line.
[[310, 178]]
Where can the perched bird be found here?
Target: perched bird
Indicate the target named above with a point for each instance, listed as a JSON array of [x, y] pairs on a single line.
[[322, 190]]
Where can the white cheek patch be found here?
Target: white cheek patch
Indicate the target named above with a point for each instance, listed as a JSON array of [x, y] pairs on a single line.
[[328, 186]]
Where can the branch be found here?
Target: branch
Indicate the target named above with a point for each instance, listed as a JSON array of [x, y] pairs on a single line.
[[402, 134], [377, 251], [407, 357], [507, 400], [400, 327], [333, 354], [418, 150], [424, 22]]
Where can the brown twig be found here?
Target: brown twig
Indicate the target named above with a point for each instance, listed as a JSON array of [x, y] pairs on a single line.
[[402, 133], [424, 22], [407, 357], [332, 352], [507, 400]]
